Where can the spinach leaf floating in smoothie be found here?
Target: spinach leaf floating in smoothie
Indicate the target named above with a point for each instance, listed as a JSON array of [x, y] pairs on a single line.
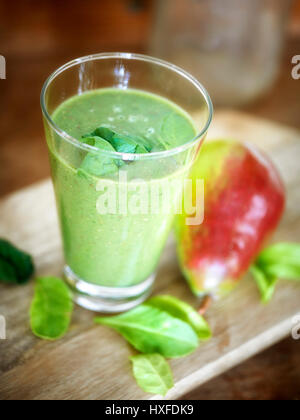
[[105, 139], [152, 373], [15, 266], [151, 330], [122, 143], [95, 163]]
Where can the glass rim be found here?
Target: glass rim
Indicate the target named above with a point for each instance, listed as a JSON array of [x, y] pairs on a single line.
[[137, 57]]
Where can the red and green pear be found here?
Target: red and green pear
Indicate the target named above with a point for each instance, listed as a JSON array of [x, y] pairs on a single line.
[[244, 201]]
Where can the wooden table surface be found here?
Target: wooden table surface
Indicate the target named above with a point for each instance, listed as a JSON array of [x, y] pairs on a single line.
[[36, 37]]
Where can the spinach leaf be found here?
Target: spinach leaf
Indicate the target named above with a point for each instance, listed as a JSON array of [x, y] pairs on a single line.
[[151, 330], [15, 266], [127, 144], [284, 271], [102, 132], [51, 309], [95, 163], [183, 311], [152, 373], [122, 143], [282, 260], [266, 284], [105, 139], [277, 261]]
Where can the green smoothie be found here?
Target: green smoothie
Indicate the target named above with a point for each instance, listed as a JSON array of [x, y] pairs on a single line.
[[116, 249]]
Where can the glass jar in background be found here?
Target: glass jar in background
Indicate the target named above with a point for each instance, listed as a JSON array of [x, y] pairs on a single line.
[[233, 47]]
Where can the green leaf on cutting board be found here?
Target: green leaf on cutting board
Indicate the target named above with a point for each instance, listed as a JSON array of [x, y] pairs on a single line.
[[266, 284], [16, 266], [183, 311], [279, 261], [151, 330], [282, 260], [152, 373], [51, 308]]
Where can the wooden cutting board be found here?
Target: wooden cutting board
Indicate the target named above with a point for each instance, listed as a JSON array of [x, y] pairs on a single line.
[[92, 362]]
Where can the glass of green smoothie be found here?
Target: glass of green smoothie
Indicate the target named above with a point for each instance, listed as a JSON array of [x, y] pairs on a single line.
[[123, 131]]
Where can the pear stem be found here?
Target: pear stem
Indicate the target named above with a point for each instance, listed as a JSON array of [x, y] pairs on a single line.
[[205, 305]]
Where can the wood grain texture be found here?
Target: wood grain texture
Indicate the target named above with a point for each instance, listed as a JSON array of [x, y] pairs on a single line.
[[91, 362], [271, 375]]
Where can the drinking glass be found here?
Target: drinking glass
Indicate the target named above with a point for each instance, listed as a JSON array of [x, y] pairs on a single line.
[[112, 254]]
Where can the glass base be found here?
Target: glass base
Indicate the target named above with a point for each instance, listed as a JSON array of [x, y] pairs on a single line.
[[107, 299]]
